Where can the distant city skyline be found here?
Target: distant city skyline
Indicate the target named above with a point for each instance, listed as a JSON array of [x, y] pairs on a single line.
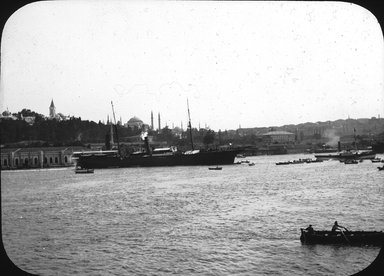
[[52, 113], [254, 64]]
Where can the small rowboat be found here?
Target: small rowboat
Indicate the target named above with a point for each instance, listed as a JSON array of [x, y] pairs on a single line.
[[83, 170], [284, 163], [215, 168], [343, 237], [381, 168], [351, 161]]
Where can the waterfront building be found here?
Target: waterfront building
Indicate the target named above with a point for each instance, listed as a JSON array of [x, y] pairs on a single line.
[[47, 157], [281, 137]]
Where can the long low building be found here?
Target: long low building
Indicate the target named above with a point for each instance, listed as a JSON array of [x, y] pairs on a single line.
[[279, 137], [47, 157]]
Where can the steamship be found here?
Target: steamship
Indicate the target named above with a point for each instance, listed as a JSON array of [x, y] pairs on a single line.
[[345, 155], [169, 156]]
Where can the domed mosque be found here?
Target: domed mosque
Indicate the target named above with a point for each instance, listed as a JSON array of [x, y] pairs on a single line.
[[135, 122]]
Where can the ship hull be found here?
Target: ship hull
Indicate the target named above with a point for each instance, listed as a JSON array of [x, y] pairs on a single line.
[[201, 158]]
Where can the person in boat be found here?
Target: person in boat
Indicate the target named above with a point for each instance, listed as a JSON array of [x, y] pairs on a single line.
[[310, 230], [336, 227]]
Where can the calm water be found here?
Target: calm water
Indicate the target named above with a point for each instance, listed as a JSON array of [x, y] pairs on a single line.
[[242, 220]]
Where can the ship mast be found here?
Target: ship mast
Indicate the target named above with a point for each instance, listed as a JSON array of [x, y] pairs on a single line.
[[117, 136], [190, 125]]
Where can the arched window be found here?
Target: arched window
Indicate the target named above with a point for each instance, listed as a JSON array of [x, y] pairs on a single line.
[[36, 160], [26, 161], [65, 159], [56, 160], [17, 161], [45, 160], [50, 160], [5, 162]]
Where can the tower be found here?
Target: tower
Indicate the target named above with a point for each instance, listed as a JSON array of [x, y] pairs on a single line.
[[152, 120], [52, 110], [159, 121]]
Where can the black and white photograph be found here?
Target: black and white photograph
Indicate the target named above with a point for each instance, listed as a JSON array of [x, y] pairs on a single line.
[[192, 138]]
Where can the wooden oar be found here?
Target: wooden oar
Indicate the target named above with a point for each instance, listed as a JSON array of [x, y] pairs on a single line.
[[342, 232]]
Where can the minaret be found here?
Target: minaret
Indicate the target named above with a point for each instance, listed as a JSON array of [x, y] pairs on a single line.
[[152, 126], [159, 121], [52, 110]]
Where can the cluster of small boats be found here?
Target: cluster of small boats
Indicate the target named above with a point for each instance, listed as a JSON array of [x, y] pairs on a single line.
[[300, 161]]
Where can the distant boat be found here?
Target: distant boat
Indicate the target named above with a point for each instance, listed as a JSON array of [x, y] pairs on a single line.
[[83, 170], [284, 163], [217, 168], [376, 160], [381, 168], [351, 161], [342, 237], [251, 164]]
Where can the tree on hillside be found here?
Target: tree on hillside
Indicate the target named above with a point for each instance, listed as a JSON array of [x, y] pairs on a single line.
[[209, 137]]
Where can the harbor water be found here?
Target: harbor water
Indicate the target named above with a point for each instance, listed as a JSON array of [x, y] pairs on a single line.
[[241, 220]]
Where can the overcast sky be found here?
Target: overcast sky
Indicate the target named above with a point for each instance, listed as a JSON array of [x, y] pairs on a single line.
[[252, 64]]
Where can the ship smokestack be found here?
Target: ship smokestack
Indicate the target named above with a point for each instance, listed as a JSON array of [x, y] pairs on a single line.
[[144, 136], [339, 146]]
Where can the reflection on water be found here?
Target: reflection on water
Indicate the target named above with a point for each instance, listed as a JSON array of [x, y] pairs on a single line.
[[190, 220]]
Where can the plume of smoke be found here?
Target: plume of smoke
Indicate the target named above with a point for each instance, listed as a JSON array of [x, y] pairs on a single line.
[[333, 138], [143, 135]]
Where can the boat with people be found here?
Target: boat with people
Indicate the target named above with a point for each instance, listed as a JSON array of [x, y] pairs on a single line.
[[342, 237], [149, 157]]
